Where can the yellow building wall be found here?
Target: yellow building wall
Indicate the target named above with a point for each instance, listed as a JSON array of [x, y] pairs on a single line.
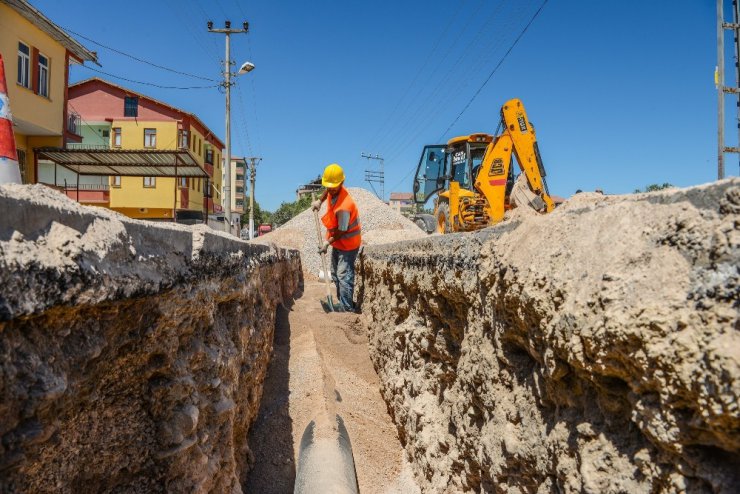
[[198, 146], [47, 113], [132, 198]]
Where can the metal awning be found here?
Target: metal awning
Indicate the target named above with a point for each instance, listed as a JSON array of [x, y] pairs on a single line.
[[126, 163]]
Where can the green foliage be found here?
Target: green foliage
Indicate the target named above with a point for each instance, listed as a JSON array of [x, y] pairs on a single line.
[[261, 217], [654, 187], [288, 210]]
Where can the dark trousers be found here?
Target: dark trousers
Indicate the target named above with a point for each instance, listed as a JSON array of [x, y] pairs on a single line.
[[343, 275]]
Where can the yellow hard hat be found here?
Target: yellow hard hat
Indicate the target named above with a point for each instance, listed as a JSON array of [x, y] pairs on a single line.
[[333, 176]]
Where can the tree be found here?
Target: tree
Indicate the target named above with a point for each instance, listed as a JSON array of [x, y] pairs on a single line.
[[261, 217], [288, 210], [655, 187]]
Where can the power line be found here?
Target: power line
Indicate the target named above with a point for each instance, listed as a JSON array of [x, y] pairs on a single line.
[[426, 111], [133, 57], [418, 73], [147, 83], [490, 75], [495, 68]]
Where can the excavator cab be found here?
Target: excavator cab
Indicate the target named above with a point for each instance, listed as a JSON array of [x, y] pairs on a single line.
[[431, 174]]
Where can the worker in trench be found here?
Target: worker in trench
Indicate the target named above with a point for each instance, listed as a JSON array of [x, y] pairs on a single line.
[[342, 222]]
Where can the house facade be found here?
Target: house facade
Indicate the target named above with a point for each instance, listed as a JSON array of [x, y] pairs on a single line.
[[403, 202], [37, 55], [117, 118]]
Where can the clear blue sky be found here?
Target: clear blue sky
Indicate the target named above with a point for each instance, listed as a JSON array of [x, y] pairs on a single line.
[[621, 93]]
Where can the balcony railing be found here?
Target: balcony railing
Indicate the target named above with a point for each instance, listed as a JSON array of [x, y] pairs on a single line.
[[73, 186], [83, 145], [74, 123]]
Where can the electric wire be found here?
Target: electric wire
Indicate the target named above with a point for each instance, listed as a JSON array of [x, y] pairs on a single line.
[[403, 123], [496, 68], [424, 113], [148, 83], [243, 119], [422, 67], [254, 100], [426, 117], [133, 57], [490, 75]]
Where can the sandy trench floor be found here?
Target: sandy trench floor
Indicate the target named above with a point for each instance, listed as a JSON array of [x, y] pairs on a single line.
[[321, 362]]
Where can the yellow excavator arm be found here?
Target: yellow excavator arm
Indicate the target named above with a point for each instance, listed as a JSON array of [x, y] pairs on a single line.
[[518, 138]]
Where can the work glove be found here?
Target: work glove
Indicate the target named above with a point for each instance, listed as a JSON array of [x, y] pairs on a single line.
[[324, 247], [316, 205]]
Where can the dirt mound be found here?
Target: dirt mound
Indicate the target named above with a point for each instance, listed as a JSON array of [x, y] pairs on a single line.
[[594, 349], [381, 224]]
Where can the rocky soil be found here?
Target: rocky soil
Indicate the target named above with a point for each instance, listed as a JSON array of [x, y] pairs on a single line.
[[380, 224], [595, 349], [132, 355]]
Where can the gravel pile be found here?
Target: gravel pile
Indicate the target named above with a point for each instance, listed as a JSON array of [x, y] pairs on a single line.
[[380, 225]]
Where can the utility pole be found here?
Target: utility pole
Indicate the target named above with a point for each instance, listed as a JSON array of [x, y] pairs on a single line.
[[253, 161], [377, 176], [720, 81], [226, 187]]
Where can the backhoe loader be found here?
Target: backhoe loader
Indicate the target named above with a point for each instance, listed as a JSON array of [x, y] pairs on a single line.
[[473, 177]]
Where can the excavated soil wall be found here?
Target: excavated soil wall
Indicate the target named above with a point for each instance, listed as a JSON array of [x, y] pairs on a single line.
[[132, 355], [595, 349]]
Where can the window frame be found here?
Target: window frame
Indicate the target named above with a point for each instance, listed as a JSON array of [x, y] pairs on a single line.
[[44, 89], [127, 108], [117, 135], [115, 181], [153, 133], [26, 58], [152, 182], [183, 139]]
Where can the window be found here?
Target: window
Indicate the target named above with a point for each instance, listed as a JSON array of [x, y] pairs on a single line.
[[116, 137], [43, 76], [115, 181], [131, 106], [209, 156], [24, 65], [22, 163], [200, 147], [183, 182], [150, 182], [106, 133], [239, 203], [150, 138], [183, 139], [199, 183]]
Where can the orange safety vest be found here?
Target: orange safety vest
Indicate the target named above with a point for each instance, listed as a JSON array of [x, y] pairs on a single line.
[[343, 202]]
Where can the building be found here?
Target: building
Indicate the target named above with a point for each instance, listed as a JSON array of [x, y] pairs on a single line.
[[239, 201], [403, 202], [115, 119], [37, 55], [312, 187]]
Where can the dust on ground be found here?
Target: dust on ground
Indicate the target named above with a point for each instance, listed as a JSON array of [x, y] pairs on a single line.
[[321, 365]]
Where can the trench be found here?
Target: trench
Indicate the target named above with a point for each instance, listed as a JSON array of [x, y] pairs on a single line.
[[148, 358], [321, 365]]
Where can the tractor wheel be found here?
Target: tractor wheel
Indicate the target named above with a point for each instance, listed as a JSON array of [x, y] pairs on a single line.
[[444, 225]]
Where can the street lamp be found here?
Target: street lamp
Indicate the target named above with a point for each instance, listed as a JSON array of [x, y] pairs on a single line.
[[246, 67]]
